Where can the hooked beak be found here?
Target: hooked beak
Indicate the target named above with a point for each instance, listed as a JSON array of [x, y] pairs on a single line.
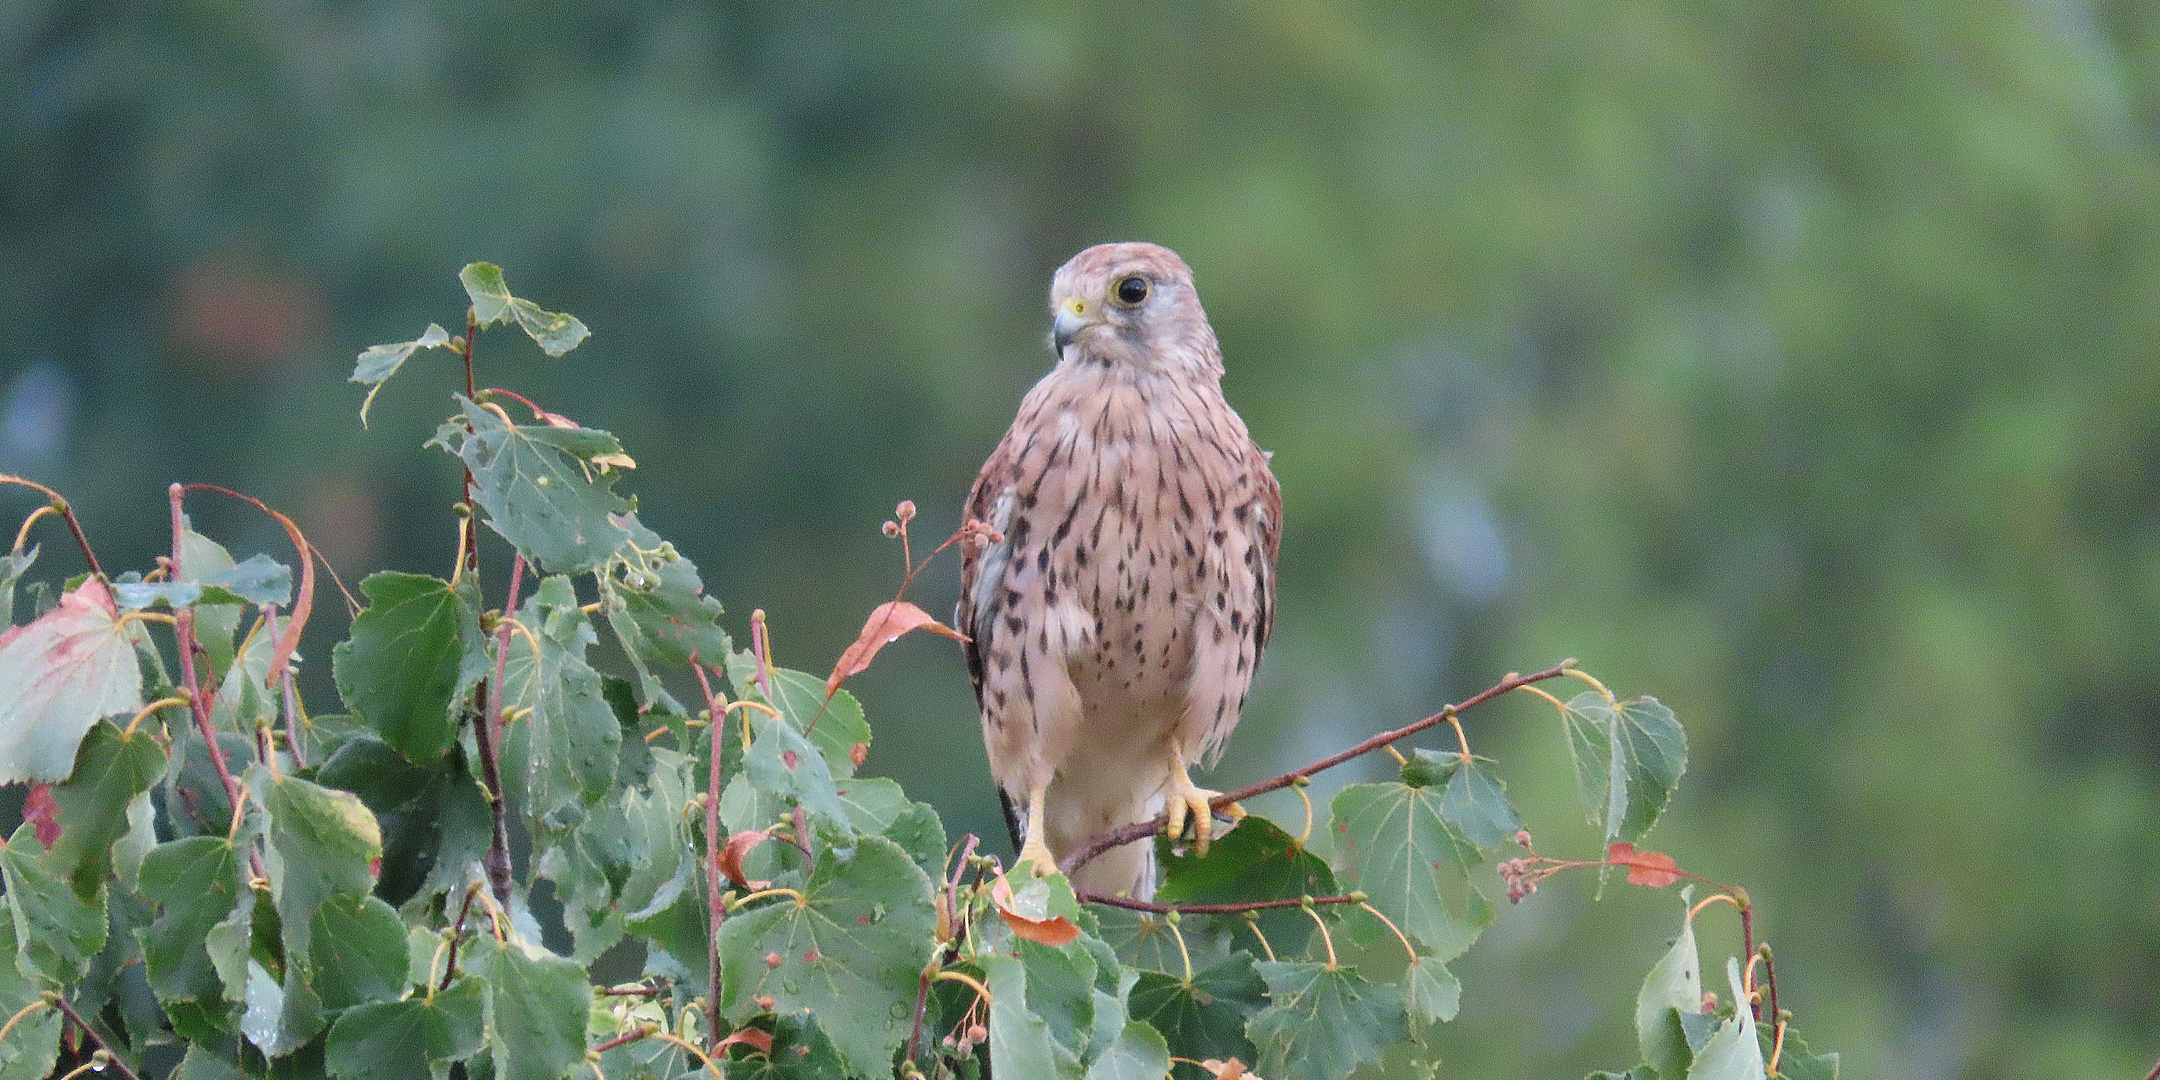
[[1070, 320]]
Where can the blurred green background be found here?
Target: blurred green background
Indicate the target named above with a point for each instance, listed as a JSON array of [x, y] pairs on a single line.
[[1792, 362]]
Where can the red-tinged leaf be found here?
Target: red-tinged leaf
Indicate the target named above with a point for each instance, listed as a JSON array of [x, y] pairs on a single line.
[[59, 675], [754, 1038], [40, 810], [1650, 869], [886, 624], [1053, 931], [735, 850]]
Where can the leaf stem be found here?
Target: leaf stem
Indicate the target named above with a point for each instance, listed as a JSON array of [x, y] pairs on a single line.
[[1125, 834], [457, 932], [1325, 937], [26, 1010], [58, 505], [1399, 935], [22, 535]]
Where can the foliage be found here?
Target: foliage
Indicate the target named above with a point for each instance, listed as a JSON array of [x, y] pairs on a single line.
[[279, 892]]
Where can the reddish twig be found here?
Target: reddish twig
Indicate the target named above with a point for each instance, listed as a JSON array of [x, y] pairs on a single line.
[[112, 1057], [184, 629], [1139, 830], [2155, 1073], [457, 933], [1130, 904], [715, 910], [67, 514]]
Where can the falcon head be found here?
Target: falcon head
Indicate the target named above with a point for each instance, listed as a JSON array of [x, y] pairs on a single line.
[[1130, 304]]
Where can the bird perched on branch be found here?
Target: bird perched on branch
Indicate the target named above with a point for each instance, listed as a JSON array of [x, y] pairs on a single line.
[[1117, 613]]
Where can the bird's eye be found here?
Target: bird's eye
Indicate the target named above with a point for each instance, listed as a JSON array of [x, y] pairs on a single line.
[[1130, 291]]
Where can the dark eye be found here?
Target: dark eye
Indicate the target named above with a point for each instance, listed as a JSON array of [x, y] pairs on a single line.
[[1130, 291]]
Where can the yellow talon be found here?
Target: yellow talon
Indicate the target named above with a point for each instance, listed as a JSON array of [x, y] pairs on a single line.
[[1035, 855], [1187, 800]]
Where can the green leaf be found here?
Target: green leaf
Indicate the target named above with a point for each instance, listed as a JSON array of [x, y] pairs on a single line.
[[850, 952], [537, 1004], [92, 807], [1021, 1042], [321, 844], [258, 580], [656, 604], [554, 332], [357, 950], [401, 669], [1256, 861], [378, 362], [1400, 847], [1061, 990], [195, 882], [59, 675], [1473, 798], [412, 1039], [1140, 1053], [1797, 1062], [1673, 988], [1206, 1017], [490, 294], [1431, 993], [781, 762], [13, 566], [1323, 1021], [215, 623], [29, 1051], [1733, 1052], [835, 726], [57, 932], [547, 490], [563, 750], [1628, 758]]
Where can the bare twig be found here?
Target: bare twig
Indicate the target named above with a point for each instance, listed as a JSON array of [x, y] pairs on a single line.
[[1139, 830]]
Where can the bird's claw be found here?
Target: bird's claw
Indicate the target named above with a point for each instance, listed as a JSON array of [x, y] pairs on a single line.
[[1191, 802], [1035, 855]]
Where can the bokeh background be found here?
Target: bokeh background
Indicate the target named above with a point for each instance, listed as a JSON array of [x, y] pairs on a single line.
[[1792, 362]]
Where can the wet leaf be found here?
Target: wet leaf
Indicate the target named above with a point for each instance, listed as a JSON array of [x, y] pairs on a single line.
[[541, 486], [1323, 1021], [851, 952], [556, 333], [1401, 848], [402, 669], [90, 811], [562, 748]]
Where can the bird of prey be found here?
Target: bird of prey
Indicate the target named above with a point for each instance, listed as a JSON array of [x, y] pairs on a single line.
[[1117, 612]]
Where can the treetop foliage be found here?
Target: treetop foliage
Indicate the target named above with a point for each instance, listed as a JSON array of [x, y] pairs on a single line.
[[214, 881]]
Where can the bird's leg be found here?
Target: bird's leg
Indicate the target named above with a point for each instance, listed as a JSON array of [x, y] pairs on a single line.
[[1187, 799], [1034, 851]]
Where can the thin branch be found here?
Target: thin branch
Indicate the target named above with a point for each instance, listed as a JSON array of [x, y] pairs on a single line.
[[1140, 830], [119, 1066], [487, 738], [457, 931], [184, 629], [67, 514], [715, 907], [1130, 904]]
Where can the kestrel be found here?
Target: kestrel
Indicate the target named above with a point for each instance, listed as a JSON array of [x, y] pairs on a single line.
[[1115, 622]]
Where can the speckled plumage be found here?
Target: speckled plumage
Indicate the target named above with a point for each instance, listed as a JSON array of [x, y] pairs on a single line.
[[1116, 626]]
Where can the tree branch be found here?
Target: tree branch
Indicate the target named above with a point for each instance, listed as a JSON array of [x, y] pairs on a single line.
[[67, 514], [1131, 904], [1138, 830], [60, 1002]]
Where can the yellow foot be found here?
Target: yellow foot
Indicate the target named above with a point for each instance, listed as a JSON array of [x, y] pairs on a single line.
[[1035, 855], [1187, 800]]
